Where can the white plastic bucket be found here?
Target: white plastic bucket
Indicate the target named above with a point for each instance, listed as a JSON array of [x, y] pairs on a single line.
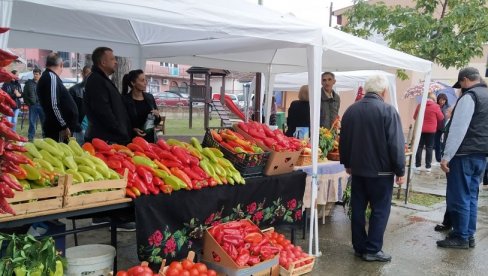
[[91, 259]]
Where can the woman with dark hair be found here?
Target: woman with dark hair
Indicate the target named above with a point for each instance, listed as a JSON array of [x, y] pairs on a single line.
[[444, 105], [141, 106]]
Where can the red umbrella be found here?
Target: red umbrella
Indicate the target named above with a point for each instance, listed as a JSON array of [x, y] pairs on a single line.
[[419, 88]]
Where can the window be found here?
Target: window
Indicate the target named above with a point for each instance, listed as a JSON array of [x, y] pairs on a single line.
[[153, 86], [167, 64]]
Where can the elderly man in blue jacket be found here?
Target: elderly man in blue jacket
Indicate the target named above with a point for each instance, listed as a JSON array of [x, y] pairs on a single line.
[[372, 150]]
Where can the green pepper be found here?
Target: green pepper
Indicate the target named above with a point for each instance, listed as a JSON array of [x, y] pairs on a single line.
[[141, 160], [38, 270], [20, 271]]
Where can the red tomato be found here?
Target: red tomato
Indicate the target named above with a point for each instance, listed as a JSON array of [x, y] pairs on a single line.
[[176, 265], [194, 272], [201, 267], [187, 264], [122, 273], [185, 273], [211, 272], [172, 272], [203, 274]]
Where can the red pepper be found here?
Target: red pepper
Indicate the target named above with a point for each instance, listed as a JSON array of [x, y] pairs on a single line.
[[152, 189], [114, 164], [268, 251], [128, 164], [157, 181], [193, 160], [199, 171], [218, 235], [101, 156], [243, 126], [166, 189], [253, 238], [6, 122], [139, 184], [12, 147], [256, 134], [100, 145], [135, 147], [145, 175], [168, 156], [181, 155], [16, 158], [212, 182], [6, 191], [193, 175], [227, 146], [231, 231], [7, 99], [163, 145], [20, 174], [8, 133], [88, 147], [7, 110], [233, 239], [140, 153], [181, 175], [11, 181], [157, 150], [5, 207], [2, 146], [233, 252], [151, 155], [253, 260], [171, 164], [243, 257], [141, 142], [232, 225]]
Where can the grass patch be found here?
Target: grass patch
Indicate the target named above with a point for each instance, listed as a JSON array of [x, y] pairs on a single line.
[[422, 199]]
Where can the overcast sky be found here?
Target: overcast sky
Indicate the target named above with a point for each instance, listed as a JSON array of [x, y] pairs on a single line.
[[316, 11]]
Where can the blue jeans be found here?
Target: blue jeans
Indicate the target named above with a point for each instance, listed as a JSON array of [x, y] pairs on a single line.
[[13, 119], [377, 191], [35, 112], [463, 183]]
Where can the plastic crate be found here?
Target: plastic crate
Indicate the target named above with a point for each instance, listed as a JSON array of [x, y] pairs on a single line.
[[248, 164]]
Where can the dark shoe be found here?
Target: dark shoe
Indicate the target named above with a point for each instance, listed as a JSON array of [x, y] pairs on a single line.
[[357, 254], [472, 242], [453, 242], [379, 256], [442, 228]]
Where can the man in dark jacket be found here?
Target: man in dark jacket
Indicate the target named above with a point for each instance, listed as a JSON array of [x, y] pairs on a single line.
[[14, 90], [372, 150], [464, 159], [107, 116], [77, 91], [57, 104], [330, 102], [32, 101]]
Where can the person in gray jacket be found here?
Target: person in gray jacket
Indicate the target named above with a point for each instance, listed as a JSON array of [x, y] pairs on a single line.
[[372, 151], [330, 102]]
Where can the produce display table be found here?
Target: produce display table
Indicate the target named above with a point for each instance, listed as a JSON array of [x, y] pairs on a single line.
[[168, 226], [105, 208], [332, 179]]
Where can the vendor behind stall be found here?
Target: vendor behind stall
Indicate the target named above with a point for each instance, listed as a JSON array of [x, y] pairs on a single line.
[[299, 112], [141, 106]]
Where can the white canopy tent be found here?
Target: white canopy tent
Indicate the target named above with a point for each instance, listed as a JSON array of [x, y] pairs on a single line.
[[228, 34], [349, 80]]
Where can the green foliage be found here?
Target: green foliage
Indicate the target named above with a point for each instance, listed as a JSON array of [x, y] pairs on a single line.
[[447, 32]]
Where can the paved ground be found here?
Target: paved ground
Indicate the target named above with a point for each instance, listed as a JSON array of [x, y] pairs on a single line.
[[410, 238]]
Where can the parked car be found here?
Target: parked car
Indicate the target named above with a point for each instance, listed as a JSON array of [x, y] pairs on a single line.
[[170, 99]]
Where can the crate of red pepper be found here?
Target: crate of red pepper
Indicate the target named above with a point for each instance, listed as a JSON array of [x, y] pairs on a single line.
[[240, 248], [293, 261], [246, 156]]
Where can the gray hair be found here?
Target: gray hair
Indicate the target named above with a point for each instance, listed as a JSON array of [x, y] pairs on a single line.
[[376, 84], [53, 59]]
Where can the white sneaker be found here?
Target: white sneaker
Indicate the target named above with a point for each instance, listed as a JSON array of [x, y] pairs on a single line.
[[428, 170], [436, 164], [417, 170]]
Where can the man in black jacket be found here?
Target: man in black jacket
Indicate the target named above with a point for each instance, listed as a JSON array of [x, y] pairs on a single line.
[[14, 90], [58, 105], [77, 91], [107, 116], [372, 150], [32, 101]]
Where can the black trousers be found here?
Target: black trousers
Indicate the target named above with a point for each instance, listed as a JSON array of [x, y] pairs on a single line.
[[377, 191], [427, 141]]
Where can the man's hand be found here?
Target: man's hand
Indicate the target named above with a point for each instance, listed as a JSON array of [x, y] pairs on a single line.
[[399, 180], [139, 132], [17, 93], [64, 134], [445, 166], [348, 171]]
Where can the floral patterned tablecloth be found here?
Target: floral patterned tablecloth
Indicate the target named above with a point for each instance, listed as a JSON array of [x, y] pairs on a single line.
[[168, 226]]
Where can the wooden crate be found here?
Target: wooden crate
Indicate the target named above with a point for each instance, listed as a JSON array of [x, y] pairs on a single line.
[[71, 198], [37, 200]]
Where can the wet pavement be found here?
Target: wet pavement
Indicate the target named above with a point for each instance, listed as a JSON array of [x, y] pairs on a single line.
[[410, 239]]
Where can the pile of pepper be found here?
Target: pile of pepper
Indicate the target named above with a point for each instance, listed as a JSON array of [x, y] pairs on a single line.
[[165, 166], [243, 242], [10, 156]]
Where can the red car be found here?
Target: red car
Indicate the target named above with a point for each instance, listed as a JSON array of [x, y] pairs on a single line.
[[170, 99]]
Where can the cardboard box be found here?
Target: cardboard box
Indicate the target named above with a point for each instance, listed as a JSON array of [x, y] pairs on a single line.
[[215, 257], [278, 162]]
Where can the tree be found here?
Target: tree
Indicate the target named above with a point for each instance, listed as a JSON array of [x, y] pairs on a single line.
[[447, 32]]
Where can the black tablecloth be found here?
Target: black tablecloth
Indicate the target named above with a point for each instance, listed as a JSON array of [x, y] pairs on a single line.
[[168, 226]]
